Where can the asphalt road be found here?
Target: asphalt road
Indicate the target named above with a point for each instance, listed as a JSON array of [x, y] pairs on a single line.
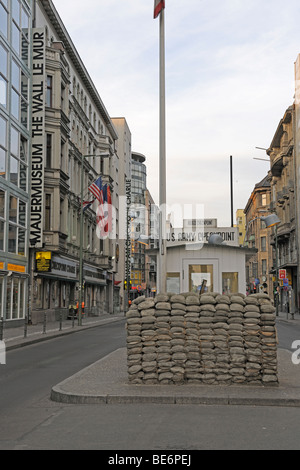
[[30, 420]]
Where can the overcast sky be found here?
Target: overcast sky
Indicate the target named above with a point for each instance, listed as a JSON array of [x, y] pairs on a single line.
[[229, 80]]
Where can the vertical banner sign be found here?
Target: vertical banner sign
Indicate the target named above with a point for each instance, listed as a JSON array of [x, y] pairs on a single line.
[[38, 136], [128, 233]]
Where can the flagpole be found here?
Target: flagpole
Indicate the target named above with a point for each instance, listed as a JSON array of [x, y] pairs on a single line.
[[162, 288]]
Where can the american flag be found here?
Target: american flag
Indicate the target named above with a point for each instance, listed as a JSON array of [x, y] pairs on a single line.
[[159, 5], [96, 189]]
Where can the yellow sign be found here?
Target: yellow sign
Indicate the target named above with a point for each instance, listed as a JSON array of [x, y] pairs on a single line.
[[1, 265], [16, 268], [43, 261], [43, 255]]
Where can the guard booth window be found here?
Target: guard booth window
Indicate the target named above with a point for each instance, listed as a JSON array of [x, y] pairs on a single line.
[[230, 284]]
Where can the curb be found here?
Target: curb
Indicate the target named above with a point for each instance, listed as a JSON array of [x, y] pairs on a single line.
[[105, 382], [57, 395]]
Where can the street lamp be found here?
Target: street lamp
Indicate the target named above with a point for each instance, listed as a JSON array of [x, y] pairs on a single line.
[[272, 221], [102, 155]]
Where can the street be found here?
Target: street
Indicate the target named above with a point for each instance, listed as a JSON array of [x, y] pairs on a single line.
[[30, 420]]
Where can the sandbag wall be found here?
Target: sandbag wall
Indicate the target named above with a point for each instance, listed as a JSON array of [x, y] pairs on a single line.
[[211, 339]]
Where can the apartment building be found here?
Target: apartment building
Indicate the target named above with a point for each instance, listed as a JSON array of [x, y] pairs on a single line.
[[15, 144], [260, 264], [78, 141], [283, 200]]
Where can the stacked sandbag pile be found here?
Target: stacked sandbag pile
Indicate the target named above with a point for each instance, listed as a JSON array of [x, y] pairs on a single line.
[[206, 338], [252, 326], [268, 340], [134, 343], [164, 362], [193, 370], [211, 339], [222, 338]]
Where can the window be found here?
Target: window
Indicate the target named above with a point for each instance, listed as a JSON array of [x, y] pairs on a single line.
[[263, 199], [18, 169], [15, 298], [48, 212], [49, 91], [3, 75], [230, 284], [2, 219], [201, 278], [264, 267], [1, 294], [3, 20], [3, 147], [49, 150], [263, 245], [17, 215]]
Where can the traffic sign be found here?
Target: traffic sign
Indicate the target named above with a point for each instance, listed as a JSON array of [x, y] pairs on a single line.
[[282, 273]]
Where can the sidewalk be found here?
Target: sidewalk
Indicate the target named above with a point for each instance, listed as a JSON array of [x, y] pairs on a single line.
[[15, 337], [106, 382]]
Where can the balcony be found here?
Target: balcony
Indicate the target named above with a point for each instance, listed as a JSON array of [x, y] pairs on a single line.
[[277, 165], [105, 143]]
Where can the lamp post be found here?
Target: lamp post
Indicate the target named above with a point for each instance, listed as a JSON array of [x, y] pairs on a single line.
[[104, 155], [273, 220]]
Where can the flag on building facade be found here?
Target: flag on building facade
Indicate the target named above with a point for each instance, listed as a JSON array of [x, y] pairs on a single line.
[[159, 5], [96, 189], [104, 213], [87, 204]]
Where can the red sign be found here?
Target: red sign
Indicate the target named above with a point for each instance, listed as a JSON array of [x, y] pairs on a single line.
[[282, 273]]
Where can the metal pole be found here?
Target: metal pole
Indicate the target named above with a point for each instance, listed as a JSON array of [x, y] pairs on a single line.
[[25, 326], [231, 190], [1, 328], [276, 257], [81, 247], [162, 162]]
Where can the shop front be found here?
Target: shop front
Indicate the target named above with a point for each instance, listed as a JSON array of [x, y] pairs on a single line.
[[94, 290], [13, 292], [53, 287]]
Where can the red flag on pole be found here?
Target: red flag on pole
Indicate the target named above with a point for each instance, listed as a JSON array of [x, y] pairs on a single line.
[[159, 5]]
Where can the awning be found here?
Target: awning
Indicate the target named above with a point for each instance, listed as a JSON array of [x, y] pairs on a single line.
[[55, 277]]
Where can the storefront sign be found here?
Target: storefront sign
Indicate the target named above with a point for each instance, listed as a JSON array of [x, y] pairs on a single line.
[[43, 262], [93, 275], [16, 268], [63, 267], [38, 136]]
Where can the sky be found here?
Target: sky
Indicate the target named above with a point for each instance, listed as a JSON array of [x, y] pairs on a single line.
[[229, 80]]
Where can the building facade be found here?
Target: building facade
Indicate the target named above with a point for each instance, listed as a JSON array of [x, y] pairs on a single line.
[[241, 225], [284, 203], [259, 266], [15, 145], [78, 143], [139, 224], [123, 183]]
